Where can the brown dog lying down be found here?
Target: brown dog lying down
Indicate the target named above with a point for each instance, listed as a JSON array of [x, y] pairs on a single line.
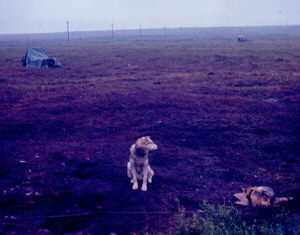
[[138, 167], [259, 196]]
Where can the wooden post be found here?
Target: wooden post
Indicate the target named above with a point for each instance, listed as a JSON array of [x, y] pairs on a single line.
[[68, 30], [140, 30]]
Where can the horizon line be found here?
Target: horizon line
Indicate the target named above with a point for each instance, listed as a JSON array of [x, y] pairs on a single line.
[[161, 28]]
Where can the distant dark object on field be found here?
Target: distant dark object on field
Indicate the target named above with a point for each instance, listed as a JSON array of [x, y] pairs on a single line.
[[37, 58], [242, 38]]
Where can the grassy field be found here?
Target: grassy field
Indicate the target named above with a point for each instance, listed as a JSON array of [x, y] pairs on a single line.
[[224, 115]]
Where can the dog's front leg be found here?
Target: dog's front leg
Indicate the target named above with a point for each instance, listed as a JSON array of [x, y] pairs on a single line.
[[145, 177], [150, 174], [129, 170], [134, 180]]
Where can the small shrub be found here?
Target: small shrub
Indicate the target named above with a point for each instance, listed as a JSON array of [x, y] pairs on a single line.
[[227, 220], [280, 224]]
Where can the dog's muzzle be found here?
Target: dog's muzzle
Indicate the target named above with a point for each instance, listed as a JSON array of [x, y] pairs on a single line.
[[153, 147]]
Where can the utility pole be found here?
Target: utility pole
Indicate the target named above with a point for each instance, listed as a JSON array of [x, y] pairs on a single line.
[[68, 30], [112, 31], [140, 30]]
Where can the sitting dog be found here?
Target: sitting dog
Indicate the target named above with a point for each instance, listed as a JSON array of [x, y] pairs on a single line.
[[138, 167]]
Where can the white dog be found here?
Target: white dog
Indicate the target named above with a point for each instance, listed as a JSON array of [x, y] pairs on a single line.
[[138, 167]]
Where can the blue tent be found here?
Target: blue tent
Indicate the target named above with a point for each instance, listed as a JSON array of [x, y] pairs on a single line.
[[37, 58]]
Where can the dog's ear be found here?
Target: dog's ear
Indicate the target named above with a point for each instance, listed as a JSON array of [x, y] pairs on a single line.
[[246, 190], [143, 140]]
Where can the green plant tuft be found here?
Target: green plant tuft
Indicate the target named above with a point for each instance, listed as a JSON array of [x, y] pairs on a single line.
[[227, 220]]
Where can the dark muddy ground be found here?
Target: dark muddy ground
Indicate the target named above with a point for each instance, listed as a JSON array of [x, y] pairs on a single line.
[[223, 114]]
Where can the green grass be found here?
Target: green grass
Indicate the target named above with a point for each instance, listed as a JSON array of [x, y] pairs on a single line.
[[228, 220]]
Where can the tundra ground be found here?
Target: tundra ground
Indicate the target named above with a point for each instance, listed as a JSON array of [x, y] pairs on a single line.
[[224, 115]]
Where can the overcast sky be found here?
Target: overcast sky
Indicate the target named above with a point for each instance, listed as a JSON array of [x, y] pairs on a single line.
[[38, 16]]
